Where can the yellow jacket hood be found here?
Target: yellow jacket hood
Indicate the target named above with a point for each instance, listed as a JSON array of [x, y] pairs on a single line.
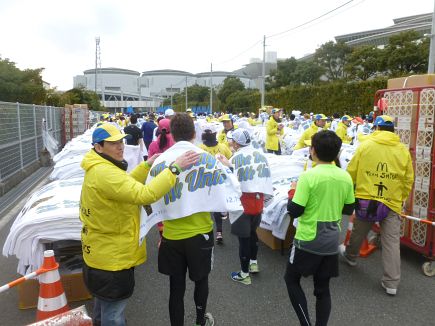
[[385, 138]]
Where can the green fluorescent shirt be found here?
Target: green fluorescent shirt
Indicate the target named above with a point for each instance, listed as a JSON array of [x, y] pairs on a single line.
[[188, 226], [323, 191]]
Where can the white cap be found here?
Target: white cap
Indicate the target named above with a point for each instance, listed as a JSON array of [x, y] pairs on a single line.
[[209, 126], [240, 136], [169, 112]]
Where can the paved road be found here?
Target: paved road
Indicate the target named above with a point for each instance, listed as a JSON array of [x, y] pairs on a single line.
[[357, 298]]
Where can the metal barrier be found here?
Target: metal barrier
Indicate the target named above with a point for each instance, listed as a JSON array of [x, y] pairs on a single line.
[[21, 134]]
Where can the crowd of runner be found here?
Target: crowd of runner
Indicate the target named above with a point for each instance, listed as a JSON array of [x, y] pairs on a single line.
[[377, 182]]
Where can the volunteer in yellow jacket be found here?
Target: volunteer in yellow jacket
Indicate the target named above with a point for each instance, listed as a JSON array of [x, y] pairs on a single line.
[[316, 126], [110, 212], [342, 127], [274, 130], [382, 172], [228, 126]]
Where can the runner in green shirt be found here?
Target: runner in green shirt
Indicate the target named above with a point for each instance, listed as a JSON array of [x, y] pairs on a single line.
[[322, 195]]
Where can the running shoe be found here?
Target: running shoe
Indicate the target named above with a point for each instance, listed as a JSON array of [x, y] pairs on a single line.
[[237, 277], [253, 268], [389, 291], [349, 260], [209, 320], [219, 238]]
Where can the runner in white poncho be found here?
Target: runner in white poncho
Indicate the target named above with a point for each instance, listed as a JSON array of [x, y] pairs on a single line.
[[252, 170]]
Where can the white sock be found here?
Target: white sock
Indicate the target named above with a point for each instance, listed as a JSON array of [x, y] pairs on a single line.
[[243, 274], [252, 261]]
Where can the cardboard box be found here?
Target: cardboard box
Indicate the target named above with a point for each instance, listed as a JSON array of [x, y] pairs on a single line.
[[273, 243], [411, 81], [73, 285]]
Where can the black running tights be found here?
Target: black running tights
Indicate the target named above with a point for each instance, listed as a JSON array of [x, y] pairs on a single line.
[[176, 299], [218, 220], [248, 249], [299, 301]]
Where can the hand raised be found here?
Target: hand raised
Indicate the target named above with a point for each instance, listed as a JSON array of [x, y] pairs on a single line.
[[187, 159], [151, 160]]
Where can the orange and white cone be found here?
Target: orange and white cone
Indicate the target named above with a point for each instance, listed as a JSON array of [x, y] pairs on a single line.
[[349, 230], [52, 299], [366, 247]]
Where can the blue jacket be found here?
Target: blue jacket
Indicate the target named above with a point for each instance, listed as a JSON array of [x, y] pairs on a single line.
[[147, 130]]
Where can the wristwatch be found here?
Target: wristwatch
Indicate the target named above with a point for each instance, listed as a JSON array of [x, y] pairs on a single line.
[[174, 168]]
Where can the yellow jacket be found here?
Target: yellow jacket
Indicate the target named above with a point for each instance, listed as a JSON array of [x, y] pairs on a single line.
[[254, 122], [222, 136], [219, 148], [110, 211], [272, 134], [382, 170], [307, 134], [341, 132]]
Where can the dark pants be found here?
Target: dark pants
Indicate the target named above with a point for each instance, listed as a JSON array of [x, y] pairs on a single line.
[[248, 249], [218, 220], [176, 257], [176, 299], [302, 263], [278, 152]]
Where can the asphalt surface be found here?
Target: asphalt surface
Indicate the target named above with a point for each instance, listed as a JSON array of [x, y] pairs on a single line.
[[357, 297]]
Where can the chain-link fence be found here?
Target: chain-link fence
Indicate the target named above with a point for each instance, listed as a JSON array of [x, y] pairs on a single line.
[[21, 127]]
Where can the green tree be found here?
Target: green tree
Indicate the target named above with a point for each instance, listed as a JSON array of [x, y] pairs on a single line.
[[23, 86], [284, 75], [333, 58], [245, 100], [231, 85], [80, 96], [196, 95], [406, 53], [308, 72], [364, 62]]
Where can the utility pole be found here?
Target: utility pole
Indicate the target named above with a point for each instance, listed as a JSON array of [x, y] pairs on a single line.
[[97, 50], [186, 93], [171, 96], [263, 71], [430, 66], [211, 88]]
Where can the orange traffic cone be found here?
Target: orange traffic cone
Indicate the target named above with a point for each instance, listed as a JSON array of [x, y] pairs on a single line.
[[349, 230], [52, 299], [366, 247]]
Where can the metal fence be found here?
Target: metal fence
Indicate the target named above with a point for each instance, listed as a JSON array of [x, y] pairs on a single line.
[[21, 134]]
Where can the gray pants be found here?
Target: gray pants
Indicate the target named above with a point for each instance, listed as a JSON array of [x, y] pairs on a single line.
[[390, 240]]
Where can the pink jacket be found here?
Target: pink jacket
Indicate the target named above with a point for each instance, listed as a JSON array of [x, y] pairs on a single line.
[[154, 146]]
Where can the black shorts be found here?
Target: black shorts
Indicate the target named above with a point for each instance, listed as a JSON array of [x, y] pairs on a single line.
[[306, 264], [245, 225], [195, 254]]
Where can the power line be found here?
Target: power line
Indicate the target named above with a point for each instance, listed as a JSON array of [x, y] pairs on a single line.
[[235, 57], [310, 21], [289, 30], [327, 18]]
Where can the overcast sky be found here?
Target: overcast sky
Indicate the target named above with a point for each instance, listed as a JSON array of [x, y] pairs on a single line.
[[177, 34]]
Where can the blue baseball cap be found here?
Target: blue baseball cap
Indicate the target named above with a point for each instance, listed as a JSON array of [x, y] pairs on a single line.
[[383, 121], [107, 132], [320, 116]]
